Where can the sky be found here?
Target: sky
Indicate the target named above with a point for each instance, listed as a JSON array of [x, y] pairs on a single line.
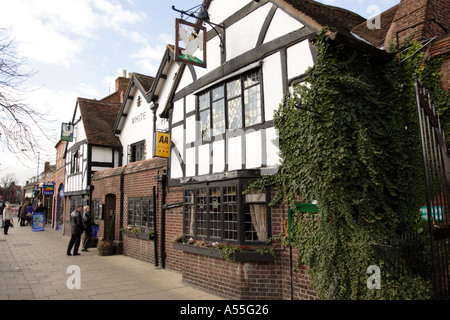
[[77, 48]]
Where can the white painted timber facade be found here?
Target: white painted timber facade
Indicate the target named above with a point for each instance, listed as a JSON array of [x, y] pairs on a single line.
[[265, 48], [221, 117]]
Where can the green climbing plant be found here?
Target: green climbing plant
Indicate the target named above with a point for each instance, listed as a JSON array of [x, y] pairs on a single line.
[[348, 139]]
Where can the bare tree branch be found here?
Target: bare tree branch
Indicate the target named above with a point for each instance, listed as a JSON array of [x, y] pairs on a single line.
[[22, 127]]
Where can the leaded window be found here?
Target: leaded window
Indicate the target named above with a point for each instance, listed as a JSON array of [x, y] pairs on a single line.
[[140, 212], [234, 104], [220, 212]]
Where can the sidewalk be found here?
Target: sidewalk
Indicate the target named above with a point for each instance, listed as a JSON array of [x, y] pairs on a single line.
[[34, 266]]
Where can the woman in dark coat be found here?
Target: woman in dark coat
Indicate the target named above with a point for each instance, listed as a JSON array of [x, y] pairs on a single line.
[[23, 214]]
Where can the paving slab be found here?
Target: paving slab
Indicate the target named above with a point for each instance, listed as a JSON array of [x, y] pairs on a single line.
[[34, 266]]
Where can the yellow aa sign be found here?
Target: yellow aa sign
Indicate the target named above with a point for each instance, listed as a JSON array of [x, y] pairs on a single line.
[[163, 145]]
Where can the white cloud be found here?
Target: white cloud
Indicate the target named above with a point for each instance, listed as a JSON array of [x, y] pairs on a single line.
[[149, 56], [56, 32]]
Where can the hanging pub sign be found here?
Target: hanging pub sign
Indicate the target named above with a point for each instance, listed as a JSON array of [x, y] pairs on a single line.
[[67, 132], [163, 145], [190, 43]]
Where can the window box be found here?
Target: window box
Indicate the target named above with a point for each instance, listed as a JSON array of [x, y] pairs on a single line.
[[243, 256], [143, 236]]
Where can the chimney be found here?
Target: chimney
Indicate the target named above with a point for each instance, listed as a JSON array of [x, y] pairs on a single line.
[[47, 167], [419, 20], [122, 85]]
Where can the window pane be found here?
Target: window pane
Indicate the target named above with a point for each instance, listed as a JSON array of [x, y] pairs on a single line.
[[234, 89], [219, 117], [189, 211], [235, 114], [218, 93], [138, 214], [252, 101], [131, 213], [145, 213], [202, 213], [255, 222], [215, 215], [204, 102], [230, 213], [251, 79], [205, 123]]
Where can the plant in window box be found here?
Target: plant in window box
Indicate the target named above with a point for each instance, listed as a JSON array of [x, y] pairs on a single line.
[[149, 233]]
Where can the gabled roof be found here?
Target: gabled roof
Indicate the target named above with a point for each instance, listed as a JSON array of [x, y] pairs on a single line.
[[317, 15], [98, 119], [375, 36], [340, 22], [144, 84]]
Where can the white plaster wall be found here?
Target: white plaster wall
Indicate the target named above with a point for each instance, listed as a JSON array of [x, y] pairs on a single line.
[[190, 129], [219, 156], [190, 103], [273, 85], [178, 141], [281, 24], [299, 59], [190, 162], [272, 147], [141, 129], [175, 167], [234, 153], [253, 150], [178, 111], [220, 10], [203, 159], [101, 154], [243, 35]]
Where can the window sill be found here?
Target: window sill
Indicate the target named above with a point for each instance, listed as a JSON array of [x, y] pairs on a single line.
[[142, 236], [244, 256]]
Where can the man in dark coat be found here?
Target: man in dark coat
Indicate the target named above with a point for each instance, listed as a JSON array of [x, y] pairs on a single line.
[[76, 230]]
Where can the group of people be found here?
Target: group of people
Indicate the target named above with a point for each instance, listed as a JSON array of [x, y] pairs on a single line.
[[24, 215], [80, 221]]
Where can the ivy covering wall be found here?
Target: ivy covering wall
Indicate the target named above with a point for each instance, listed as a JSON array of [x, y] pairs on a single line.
[[348, 139]]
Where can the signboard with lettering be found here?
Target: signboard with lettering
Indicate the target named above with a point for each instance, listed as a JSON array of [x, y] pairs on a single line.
[[190, 43], [163, 145], [48, 189]]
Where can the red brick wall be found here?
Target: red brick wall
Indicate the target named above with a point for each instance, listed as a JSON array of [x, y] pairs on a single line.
[[412, 12], [445, 74], [251, 280], [235, 280]]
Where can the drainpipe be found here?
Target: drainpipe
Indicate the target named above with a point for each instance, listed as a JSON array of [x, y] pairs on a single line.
[[163, 220], [154, 228], [162, 179]]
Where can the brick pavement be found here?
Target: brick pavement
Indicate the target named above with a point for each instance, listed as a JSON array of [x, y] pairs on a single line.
[[34, 266]]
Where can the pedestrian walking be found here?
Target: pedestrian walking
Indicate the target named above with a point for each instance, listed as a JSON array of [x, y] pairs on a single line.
[[7, 218], [3, 206], [76, 230], [87, 227]]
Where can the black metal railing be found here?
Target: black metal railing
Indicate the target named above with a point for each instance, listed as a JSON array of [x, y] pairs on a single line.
[[436, 165], [404, 255]]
